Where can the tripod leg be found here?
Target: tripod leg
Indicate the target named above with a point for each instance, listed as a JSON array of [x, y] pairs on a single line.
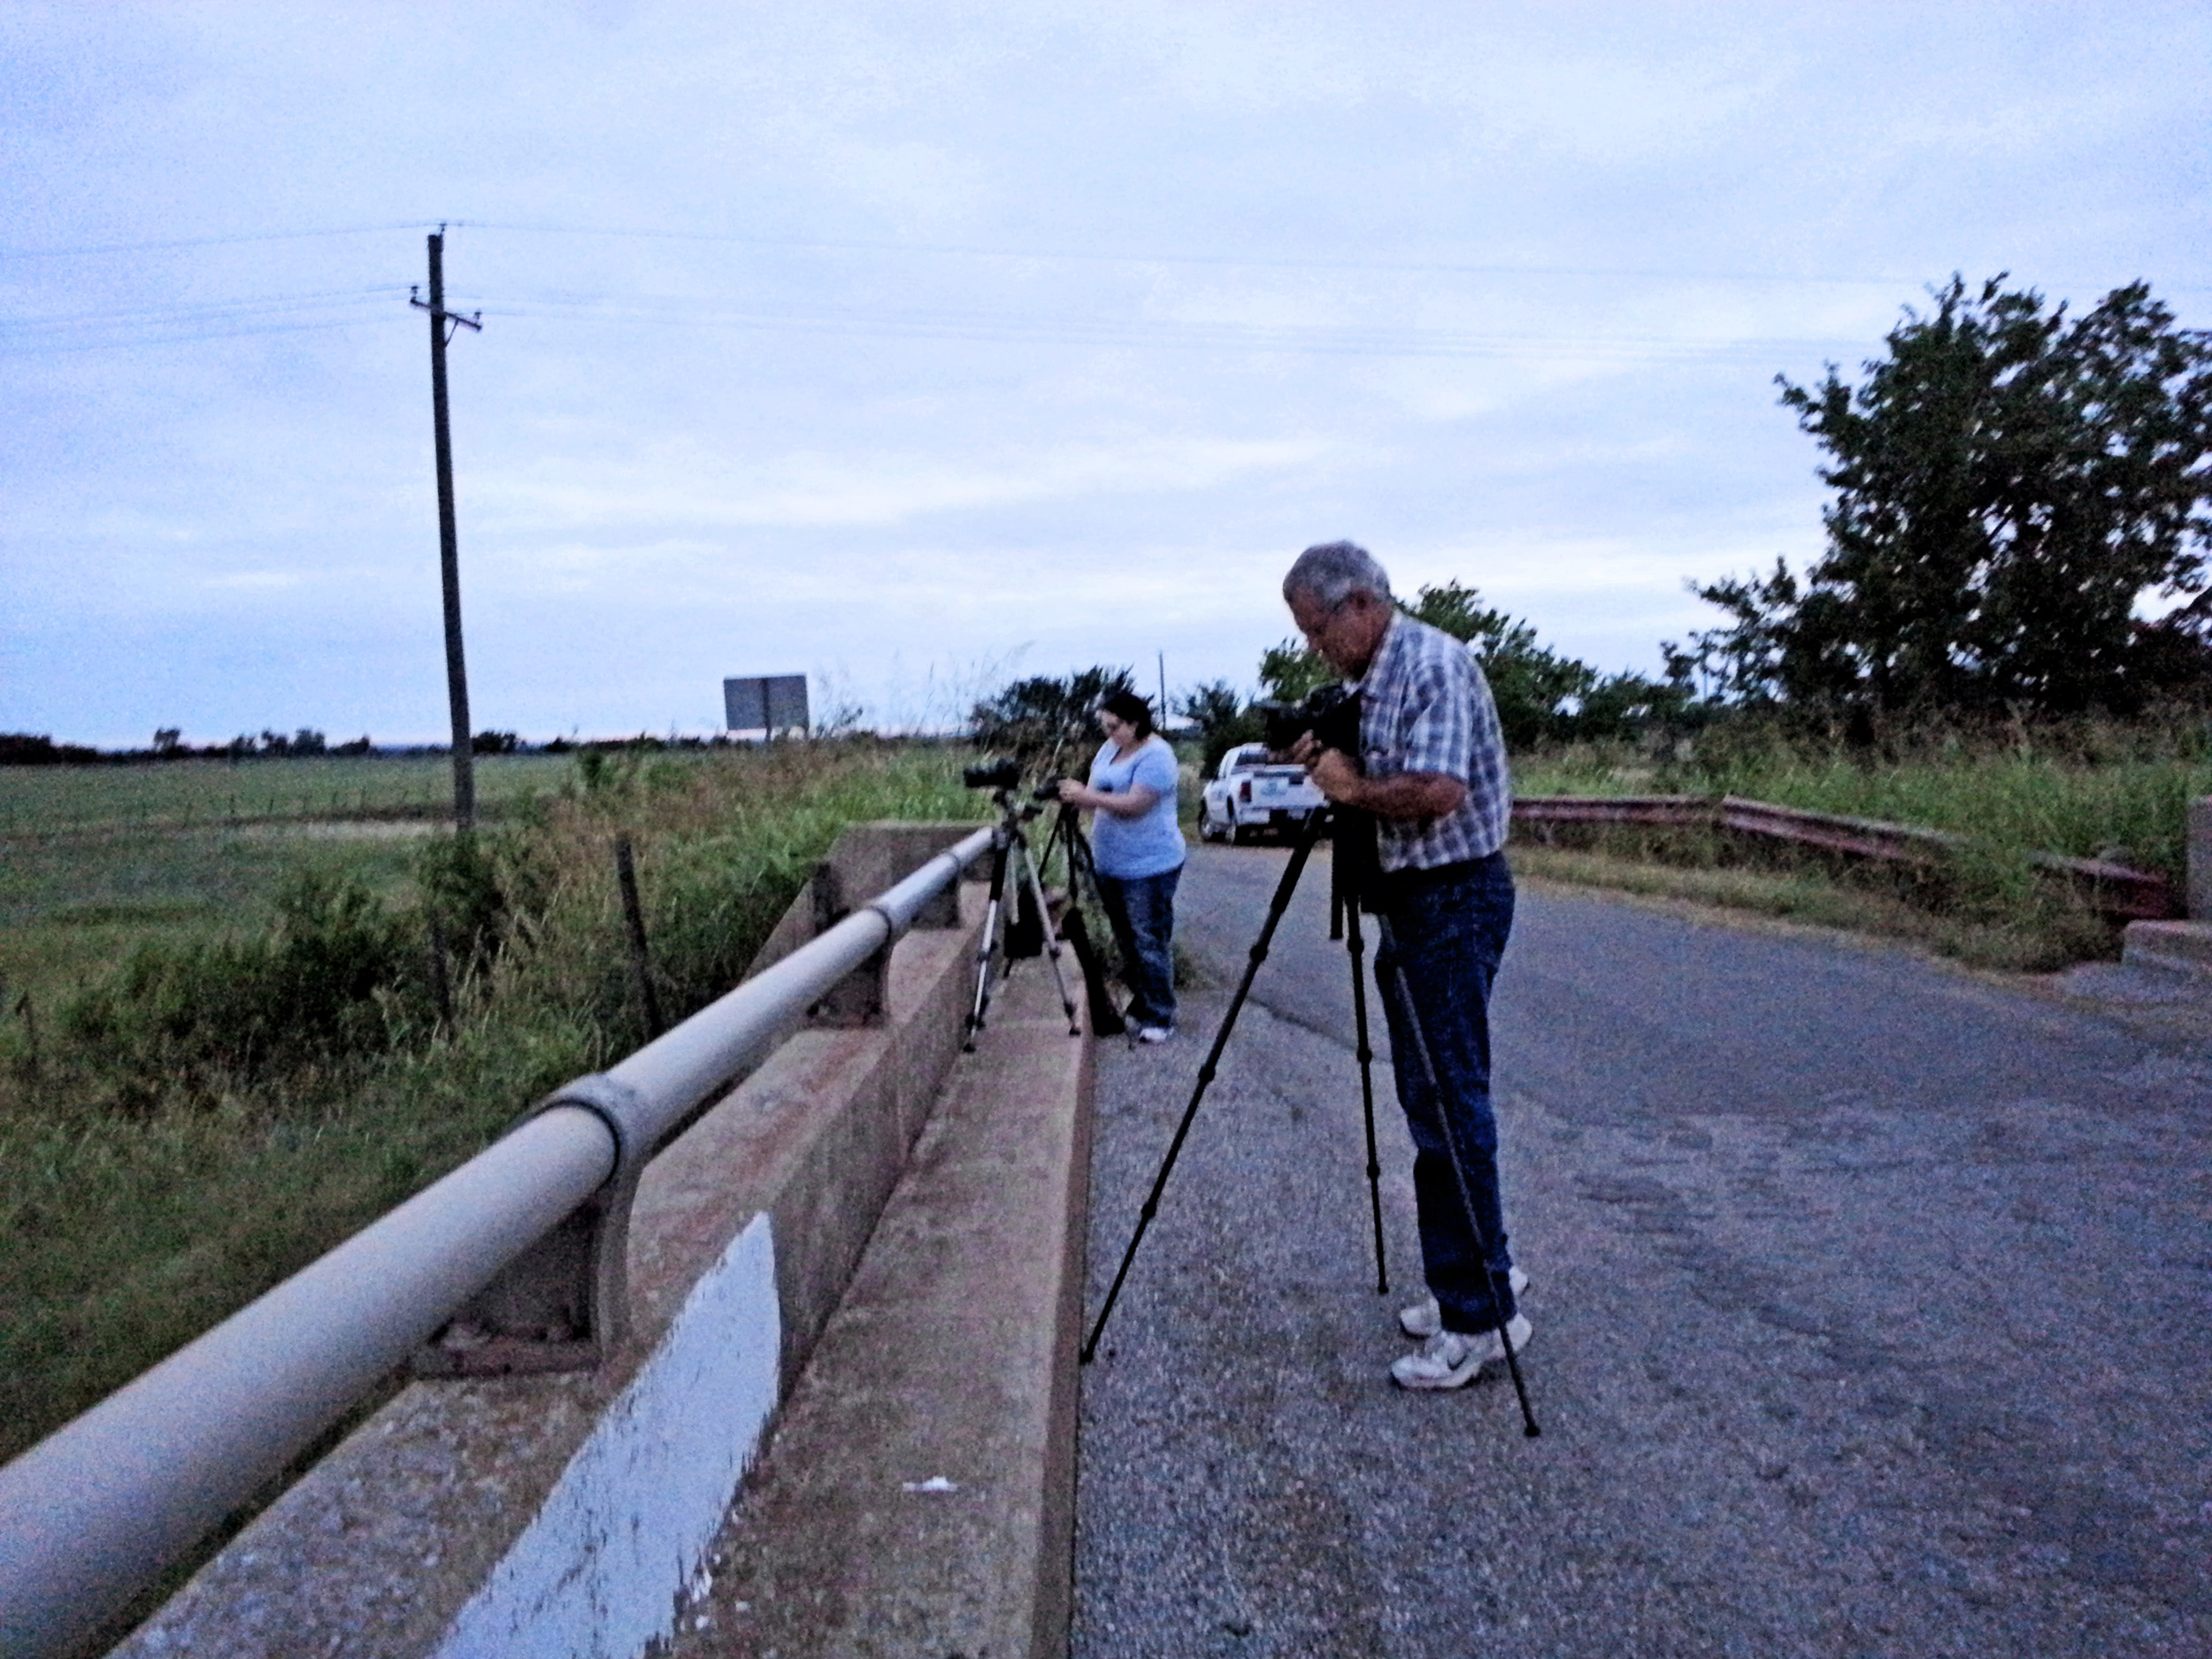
[[1356, 946], [1052, 840], [1498, 1291], [1276, 907], [987, 944], [1052, 935], [1106, 1020]]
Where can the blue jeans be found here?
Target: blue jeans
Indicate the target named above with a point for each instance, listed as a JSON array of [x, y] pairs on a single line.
[[1443, 934], [1141, 910]]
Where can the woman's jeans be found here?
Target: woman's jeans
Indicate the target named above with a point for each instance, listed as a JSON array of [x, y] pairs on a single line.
[[1443, 932], [1141, 910]]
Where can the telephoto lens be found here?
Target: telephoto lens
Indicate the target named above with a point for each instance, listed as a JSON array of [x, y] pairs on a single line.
[[992, 774]]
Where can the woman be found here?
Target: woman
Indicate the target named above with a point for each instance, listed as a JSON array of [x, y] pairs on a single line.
[[1139, 852]]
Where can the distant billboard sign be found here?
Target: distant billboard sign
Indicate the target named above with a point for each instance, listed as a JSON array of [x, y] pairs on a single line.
[[765, 702]]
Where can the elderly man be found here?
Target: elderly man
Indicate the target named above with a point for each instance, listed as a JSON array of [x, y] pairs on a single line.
[[1432, 774]]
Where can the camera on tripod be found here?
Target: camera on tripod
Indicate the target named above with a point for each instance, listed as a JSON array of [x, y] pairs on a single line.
[[992, 774], [1331, 712]]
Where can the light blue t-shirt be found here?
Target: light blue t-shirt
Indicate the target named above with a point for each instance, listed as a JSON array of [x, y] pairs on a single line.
[[1150, 845]]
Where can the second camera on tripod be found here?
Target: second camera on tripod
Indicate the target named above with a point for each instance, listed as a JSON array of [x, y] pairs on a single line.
[[1331, 712]]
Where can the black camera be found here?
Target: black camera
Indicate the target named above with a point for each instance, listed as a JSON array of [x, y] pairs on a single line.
[[1330, 713], [992, 774]]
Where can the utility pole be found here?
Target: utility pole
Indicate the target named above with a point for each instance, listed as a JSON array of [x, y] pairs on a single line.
[[457, 674]]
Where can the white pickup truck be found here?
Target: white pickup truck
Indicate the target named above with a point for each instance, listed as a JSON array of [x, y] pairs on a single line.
[[1250, 794]]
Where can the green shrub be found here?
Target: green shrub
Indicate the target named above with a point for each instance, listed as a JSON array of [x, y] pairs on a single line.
[[315, 988]]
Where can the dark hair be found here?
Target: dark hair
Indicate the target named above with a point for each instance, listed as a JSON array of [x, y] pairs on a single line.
[[1128, 706]]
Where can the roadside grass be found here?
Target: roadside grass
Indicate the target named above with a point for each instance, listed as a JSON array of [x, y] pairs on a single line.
[[2079, 789], [156, 1174], [2085, 789], [2043, 932]]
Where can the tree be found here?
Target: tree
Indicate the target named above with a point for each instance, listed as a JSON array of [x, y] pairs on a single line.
[[2011, 488], [1224, 720], [1540, 695], [1041, 719], [1538, 691]]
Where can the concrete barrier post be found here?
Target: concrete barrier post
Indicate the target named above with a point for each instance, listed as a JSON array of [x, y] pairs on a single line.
[[861, 997], [2201, 859]]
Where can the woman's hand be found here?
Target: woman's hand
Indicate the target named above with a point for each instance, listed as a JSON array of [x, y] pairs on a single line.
[[1134, 802]]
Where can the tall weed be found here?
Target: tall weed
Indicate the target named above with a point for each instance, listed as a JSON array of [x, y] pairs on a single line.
[[211, 1118]]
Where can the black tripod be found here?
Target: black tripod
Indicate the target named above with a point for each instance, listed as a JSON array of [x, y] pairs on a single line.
[[1017, 936], [1345, 903], [1067, 834]]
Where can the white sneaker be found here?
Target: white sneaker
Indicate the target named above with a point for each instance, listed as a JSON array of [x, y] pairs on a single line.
[[1155, 1034], [1423, 1320], [1448, 1360]]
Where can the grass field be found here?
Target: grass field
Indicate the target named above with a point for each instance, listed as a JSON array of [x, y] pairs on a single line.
[[180, 792], [155, 1176], [99, 859]]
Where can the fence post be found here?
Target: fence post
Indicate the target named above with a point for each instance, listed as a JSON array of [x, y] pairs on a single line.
[[633, 916], [2201, 859]]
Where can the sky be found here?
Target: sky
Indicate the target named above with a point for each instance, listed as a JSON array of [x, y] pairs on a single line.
[[914, 347]]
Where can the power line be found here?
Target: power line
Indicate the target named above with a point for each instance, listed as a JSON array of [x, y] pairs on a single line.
[[1056, 255], [98, 249], [1245, 261], [1300, 338], [175, 340], [57, 323]]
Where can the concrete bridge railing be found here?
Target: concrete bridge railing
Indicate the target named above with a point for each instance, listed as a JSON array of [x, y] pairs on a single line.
[[521, 1263]]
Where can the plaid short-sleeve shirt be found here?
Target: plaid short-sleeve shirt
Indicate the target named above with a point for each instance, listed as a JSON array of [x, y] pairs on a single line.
[[1425, 707]]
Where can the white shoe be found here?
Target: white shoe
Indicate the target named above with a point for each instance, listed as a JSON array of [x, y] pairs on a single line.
[[1155, 1034], [1448, 1360], [1423, 1320]]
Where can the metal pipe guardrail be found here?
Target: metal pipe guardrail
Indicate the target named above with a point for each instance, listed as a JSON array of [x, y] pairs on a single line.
[[95, 1511]]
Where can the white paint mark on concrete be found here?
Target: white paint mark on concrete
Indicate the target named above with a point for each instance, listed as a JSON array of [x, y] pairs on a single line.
[[599, 1572]]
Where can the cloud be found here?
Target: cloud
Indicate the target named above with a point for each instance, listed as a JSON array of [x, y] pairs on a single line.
[[961, 327], [815, 490]]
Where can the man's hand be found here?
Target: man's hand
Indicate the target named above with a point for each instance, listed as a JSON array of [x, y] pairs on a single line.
[[1335, 776], [1412, 794]]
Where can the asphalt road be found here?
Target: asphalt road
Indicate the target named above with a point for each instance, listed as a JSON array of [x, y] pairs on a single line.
[[1870, 1301]]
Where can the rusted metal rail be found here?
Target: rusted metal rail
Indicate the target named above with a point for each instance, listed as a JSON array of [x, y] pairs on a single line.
[[2114, 890]]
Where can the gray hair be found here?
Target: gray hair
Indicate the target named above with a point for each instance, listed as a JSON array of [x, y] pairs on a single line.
[[1331, 571]]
